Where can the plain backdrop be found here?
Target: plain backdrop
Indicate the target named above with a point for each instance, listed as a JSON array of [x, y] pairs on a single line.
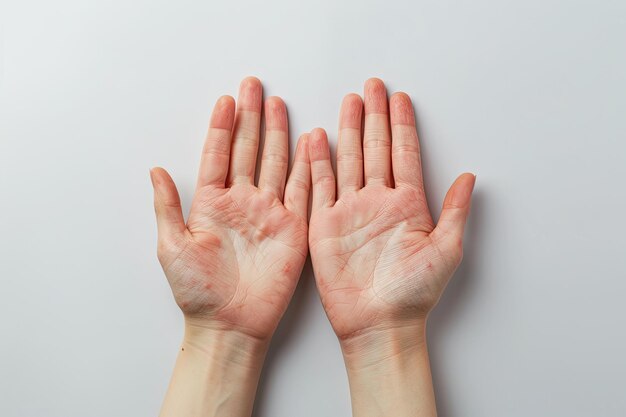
[[530, 95]]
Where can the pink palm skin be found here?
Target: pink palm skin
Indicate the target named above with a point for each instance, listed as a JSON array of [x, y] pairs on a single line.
[[379, 260], [240, 261], [236, 262]]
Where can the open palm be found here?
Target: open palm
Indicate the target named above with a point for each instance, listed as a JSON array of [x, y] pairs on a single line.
[[377, 255], [236, 262]]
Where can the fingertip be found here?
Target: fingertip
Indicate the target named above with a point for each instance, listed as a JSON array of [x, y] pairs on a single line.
[[318, 145], [351, 111], [401, 109], [223, 114], [352, 99], [250, 82], [374, 83], [400, 95], [461, 191], [302, 148], [160, 177], [156, 172], [472, 179], [274, 103], [318, 135], [167, 205], [375, 96], [275, 114], [469, 177], [225, 101], [250, 94]]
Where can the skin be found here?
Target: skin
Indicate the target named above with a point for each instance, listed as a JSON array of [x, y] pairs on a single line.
[[234, 265], [380, 262]]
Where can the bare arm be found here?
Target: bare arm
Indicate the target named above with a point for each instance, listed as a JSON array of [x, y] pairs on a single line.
[[216, 374], [389, 373], [234, 265], [380, 262]]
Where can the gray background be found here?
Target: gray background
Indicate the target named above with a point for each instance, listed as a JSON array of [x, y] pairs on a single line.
[[530, 94]]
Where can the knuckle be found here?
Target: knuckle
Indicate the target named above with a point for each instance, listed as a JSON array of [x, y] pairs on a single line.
[[406, 148], [300, 183], [246, 135], [275, 157], [325, 180], [165, 250], [349, 156], [171, 203], [218, 145], [374, 136]]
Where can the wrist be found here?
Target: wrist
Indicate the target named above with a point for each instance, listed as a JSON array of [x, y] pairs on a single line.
[[216, 373], [382, 345], [389, 372], [224, 347]]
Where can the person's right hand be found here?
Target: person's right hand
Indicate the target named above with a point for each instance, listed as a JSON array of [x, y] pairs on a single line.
[[378, 258], [235, 264]]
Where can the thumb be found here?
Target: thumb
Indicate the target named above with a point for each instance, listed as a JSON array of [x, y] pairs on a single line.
[[456, 208], [169, 215]]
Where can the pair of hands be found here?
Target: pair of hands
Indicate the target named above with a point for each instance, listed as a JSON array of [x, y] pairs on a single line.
[[380, 262]]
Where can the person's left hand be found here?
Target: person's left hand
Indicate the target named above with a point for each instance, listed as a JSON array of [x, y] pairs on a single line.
[[379, 260]]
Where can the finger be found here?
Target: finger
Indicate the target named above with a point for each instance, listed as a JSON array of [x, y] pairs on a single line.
[[246, 132], [456, 208], [275, 149], [376, 136], [405, 149], [170, 221], [322, 176], [299, 183], [216, 151], [349, 148]]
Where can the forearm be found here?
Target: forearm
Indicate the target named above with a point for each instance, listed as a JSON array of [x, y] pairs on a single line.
[[389, 372], [216, 374]]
